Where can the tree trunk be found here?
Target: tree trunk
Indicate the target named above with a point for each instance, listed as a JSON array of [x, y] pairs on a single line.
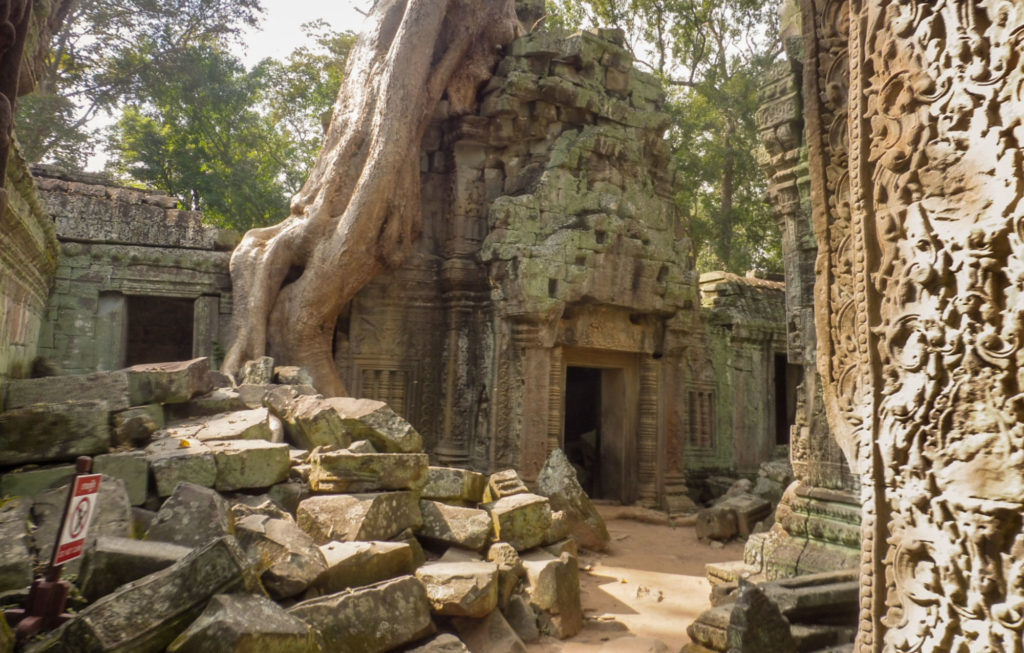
[[359, 212]]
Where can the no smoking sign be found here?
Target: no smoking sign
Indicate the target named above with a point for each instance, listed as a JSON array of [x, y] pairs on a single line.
[[75, 526]]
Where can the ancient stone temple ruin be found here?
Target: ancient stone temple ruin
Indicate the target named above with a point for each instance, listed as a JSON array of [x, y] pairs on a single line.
[[139, 281]]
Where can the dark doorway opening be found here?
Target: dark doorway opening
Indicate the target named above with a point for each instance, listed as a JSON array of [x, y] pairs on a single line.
[[159, 329], [583, 425], [787, 378]]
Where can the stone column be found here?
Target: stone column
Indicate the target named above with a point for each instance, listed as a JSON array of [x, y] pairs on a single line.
[[914, 120], [206, 326], [648, 440]]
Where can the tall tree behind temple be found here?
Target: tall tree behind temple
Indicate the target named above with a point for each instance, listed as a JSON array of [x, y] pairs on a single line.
[[710, 54]]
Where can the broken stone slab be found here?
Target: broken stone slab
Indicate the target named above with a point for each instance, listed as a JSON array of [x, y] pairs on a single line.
[[469, 528], [554, 589], [135, 426], [292, 375], [215, 402], [460, 589], [557, 481], [522, 520], [364, 446], [716, 523], [451, 484], [249, 464], [251, 424], [292, 561], [192, 516], [568, 545], [115, 561], [309, 421], [522, 617], [129, 466], [257, 371], [370, 619], [149, 613], [749, 510], [443, 643], [504, 484], [757, 625], [174, 460], [168, 383], [246, 623], [560, 529], [43, 433], [29, 482], [15, 555], [288, 495], [355, 564], [489, 634], [142, 519], [407, 536], [112, 516], [110, 387], [510, 569], [365, 517], [343, 471], [366, 419]]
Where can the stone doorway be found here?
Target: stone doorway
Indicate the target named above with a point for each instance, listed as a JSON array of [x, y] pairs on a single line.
[[787, 379], [599, 426], [159, 329]]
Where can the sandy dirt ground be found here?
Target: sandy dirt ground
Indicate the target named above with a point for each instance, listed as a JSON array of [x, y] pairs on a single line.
[[649, 585]]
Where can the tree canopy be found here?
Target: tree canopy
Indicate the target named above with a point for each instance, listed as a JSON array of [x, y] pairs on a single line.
[[711, 56]]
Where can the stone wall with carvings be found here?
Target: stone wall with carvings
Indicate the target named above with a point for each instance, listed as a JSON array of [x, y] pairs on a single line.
[[818, 521], [551, 242], [738, 429], [28, 261], [134, 273], [915, 123]]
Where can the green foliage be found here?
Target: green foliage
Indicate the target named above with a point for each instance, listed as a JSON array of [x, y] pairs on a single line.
[[710, 55], [189, 118]]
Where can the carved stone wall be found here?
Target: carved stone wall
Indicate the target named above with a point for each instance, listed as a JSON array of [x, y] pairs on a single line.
[[128, 257], [818, 520], [915, 117]]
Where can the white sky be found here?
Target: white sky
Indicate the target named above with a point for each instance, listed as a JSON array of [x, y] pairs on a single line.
[[282, 24]]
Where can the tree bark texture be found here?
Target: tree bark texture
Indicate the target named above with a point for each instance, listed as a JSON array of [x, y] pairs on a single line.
[[359, 212]]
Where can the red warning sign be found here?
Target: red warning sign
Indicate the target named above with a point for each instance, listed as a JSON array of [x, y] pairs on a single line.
[[75, 526]]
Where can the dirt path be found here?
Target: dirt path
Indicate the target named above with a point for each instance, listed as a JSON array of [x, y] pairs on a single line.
[[650, 584]]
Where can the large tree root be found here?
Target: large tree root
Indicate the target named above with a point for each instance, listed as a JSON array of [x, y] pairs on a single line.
[[359, 212]]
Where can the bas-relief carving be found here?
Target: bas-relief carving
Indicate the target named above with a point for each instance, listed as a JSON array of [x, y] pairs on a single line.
[[923, 270]]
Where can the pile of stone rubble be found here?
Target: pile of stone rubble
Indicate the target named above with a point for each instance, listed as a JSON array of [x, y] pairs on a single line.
[[262, 516]]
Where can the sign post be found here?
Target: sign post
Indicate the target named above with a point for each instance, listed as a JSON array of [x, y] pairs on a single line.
[[49, 595]]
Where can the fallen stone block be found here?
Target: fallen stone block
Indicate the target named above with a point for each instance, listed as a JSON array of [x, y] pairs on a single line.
[[370, 619], [110, 387], [288, 495], [366, 419], [249, 464], [343, 471], [257, 371], [290, 558], [716, 523], [489, 634], [408, 537], [469, 528], [560, 528], [115, 561], [363, 446], [129, 466], [240, 425], [568, 545], [349, 517], [451, 484], [142, 519], [30, 482], [192, 516], [522, 520], [521, 616], [443, 643], [292, 375], [215, 402], [557, 481], [355, 564], [309, 421], [135, 426], [112, 516], [15, 555], [504, 484], [510, 570], [554, 589], [168, 383], [749, 510], [460, 589], [173, 461], [244, 623], [148, 614], [43, 433]]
